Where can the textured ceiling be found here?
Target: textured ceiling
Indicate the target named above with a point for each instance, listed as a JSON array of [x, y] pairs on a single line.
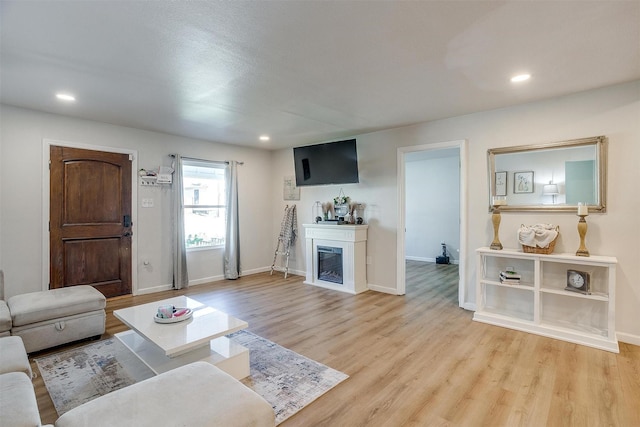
[[305, 71]]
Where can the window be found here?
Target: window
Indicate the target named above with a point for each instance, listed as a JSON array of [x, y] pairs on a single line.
[[204, 203]]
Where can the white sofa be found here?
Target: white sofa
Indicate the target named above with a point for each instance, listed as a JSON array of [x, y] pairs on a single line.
[[198, 394]]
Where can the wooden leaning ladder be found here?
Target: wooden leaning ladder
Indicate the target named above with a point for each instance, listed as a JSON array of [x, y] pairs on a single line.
[[280, 250], [285, 240]]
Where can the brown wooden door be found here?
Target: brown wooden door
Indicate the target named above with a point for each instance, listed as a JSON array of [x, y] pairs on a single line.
[[90, 220]]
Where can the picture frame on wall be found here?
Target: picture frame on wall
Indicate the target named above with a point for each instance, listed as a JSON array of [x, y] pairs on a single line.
[[290, 190], [523, 182], [501, 184]]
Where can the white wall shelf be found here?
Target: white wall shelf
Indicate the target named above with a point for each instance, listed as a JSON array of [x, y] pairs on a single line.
[[151, 181], [540, 304]]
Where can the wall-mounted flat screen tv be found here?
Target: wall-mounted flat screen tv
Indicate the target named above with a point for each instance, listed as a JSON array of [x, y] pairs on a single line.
[[329, 163]]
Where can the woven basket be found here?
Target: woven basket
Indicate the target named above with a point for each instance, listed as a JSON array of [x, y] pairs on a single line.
[[546, 250]]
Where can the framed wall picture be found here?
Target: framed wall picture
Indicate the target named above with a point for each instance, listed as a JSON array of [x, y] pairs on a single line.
[[523, 182], [290, 191], [501, 183]]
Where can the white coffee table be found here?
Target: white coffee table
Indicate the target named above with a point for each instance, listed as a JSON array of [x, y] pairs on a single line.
[[163, 347]]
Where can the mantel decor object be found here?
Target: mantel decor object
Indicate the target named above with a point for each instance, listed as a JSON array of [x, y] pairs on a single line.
[[583, 211], [317, 212], [341, 205], [495, 219]]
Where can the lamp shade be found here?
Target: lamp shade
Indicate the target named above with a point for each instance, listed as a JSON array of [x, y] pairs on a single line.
[[550, 189]]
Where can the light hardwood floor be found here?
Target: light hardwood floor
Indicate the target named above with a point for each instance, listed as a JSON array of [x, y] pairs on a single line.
[[419, 359]]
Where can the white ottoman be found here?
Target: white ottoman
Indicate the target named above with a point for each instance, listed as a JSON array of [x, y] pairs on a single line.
[[57, 316]]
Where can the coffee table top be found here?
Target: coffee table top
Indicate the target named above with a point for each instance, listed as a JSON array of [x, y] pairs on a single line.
[[178, 338]]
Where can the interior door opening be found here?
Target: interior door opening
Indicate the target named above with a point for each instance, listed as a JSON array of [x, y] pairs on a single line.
[[432, 206]]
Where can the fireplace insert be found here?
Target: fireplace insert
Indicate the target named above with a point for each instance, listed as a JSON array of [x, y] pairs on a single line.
[[330, 264]]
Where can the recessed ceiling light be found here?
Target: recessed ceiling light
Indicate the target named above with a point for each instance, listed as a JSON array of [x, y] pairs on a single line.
[[264, 138], [520, 78], [65, 97]]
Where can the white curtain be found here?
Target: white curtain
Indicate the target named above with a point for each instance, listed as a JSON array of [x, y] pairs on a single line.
[[180, 274], [232, 239]]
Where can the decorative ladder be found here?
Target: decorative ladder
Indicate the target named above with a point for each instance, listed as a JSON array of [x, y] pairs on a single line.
[[286, 238]]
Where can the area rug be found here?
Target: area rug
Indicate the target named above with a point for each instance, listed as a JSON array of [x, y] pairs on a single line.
[[286, 379], [78, 375]]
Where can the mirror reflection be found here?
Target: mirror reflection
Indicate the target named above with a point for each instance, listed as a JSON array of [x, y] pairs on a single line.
[[549, 177]]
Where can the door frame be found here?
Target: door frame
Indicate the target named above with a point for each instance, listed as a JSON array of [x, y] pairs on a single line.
[[401, 269], [133, 155]]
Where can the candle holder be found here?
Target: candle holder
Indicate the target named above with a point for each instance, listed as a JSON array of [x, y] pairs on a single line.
[[582, 231], [495, 219]]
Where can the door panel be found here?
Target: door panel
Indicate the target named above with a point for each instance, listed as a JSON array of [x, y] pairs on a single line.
[[90, 240]]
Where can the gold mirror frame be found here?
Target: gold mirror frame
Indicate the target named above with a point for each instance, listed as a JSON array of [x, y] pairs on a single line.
[[600, 144]]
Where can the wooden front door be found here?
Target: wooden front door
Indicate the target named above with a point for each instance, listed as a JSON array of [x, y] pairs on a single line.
[[90, 220]]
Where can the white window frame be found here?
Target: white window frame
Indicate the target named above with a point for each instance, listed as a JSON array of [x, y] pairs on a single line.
[[185, 207]]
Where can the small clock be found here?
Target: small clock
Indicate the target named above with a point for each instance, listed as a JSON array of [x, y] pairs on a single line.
[[578, 281]]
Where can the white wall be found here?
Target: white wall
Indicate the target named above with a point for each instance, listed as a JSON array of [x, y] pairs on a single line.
[[432, 204], [21, 199], [612, 111]]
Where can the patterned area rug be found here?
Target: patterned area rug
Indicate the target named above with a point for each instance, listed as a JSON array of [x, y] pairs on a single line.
[[286, 379], [79, 375]]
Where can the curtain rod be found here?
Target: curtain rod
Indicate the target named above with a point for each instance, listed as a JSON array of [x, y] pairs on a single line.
[[226, 162]]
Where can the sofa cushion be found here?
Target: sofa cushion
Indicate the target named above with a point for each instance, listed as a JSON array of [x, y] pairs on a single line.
[[5, 317], [18, 404], [53, 304], [13, 356], [198, 394]]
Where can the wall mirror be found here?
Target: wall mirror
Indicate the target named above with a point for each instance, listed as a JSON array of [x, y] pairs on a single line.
[[550, 177]]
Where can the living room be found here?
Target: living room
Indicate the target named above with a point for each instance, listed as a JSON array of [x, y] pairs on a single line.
[[612, 111]]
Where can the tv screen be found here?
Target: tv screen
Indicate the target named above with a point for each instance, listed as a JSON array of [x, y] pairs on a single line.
[[329, 163]]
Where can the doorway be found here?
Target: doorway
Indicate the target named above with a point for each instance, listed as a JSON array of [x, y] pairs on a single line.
[[432, 151], [90, 218]]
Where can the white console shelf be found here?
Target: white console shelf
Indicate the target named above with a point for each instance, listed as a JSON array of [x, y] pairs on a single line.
[[540, 304]]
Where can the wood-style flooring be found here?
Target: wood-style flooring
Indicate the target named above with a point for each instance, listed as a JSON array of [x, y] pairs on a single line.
[[419, 359]]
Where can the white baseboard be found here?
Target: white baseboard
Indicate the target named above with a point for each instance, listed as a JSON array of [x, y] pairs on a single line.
[[469, 306], [383, 289], [421, 259], [153, 290], [628, 338], [254, 271]]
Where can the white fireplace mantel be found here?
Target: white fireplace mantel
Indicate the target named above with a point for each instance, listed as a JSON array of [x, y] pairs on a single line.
[[352, 239]]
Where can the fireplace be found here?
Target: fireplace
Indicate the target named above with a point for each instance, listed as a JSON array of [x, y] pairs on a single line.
[[336, 257], [330, 264]]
